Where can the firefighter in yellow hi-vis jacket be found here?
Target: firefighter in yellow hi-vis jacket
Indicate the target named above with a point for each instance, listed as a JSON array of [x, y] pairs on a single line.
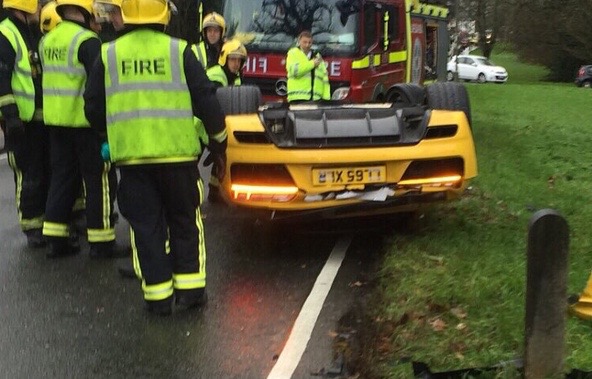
[[212, 39], [142, 95], [21, 116], [68, 53]]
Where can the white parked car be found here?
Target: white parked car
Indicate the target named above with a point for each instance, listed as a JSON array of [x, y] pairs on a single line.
[[474, 67]]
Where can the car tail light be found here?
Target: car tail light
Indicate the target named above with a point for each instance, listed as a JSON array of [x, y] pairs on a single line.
[[261, 182], [434, 173]]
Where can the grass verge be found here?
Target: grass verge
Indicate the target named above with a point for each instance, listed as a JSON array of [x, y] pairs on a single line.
[[452, 294]]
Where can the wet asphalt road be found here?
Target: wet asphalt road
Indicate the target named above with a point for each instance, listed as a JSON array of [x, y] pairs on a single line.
[[75, 317]]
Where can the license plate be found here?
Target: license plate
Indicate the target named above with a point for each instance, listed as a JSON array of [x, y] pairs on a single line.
[[348, 175]]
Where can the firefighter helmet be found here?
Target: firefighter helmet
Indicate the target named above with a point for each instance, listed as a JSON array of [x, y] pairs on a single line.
[[213, 19], [49, 17], [104, 8], [232, 48], [146, 12], [28, 6], [87, 5]]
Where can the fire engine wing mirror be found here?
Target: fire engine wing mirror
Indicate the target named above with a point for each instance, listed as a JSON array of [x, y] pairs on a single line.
[[346, 8]]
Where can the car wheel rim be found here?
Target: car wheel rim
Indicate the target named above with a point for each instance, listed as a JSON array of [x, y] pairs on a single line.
[[450, 76], [481, 78]]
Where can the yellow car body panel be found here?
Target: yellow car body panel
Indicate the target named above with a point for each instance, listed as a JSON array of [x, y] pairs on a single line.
[[300, 163]]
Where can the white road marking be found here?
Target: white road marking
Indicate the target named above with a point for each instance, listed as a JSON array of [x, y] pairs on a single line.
[[304, 324]]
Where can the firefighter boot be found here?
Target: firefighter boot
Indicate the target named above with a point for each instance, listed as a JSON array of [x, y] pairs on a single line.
[[61, 247], [126, 269], [188, 299], [160, 307], [105, 250], [35, 238], [582, 308], [214, 195]]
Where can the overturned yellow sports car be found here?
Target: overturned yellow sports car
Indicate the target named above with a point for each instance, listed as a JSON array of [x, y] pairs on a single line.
[[339, 160]]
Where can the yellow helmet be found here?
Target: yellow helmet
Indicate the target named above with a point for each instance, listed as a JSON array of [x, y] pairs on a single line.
[[49, 17], [213, 19], [104, 8], [232, 48], [29, 6], [87, 5], [146, 12]]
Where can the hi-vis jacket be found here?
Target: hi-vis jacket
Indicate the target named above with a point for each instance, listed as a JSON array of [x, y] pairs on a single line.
[[217, 74], [152, 86], [64, 75], [305, 82], [23, 88]]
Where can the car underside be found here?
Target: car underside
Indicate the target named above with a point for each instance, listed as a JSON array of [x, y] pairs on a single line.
[[340, 160]]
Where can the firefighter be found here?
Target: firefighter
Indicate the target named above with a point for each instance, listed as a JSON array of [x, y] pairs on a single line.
[[230, 64], [227, 72], [68, 53], [109, 11], [21, 115], [308, 79], [212, 34], [158, 80], [49, 17]]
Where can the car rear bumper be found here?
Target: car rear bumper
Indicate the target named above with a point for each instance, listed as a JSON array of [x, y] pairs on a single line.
[[388, 196]]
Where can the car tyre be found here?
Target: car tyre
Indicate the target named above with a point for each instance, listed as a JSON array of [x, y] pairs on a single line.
[[236, 100], [587, 84], [481, 78], [406, 95], [450, 76], [449, 96]]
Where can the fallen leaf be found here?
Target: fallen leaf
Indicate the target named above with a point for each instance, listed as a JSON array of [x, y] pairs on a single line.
[[438, 325], [461, 326], [356, 284], [459, 313]]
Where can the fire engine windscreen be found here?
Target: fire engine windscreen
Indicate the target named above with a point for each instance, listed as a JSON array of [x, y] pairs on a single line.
[[273, 25]]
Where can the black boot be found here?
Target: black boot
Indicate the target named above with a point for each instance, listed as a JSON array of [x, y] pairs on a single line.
[[188, 299], [61, 247], [106, 250], [35, 238], [214, 195], [160, 307], [126, 269]]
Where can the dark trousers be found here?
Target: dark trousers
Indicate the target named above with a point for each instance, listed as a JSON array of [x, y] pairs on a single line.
[[162, 202], [29, 160], [75, 153]]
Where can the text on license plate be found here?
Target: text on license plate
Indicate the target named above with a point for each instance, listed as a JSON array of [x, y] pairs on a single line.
[[348, 175]]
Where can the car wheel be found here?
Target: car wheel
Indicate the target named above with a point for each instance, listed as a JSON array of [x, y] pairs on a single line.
[[481, 78], [587, 84], [243, 99], [450, 96], [406, 95], [450, 76]]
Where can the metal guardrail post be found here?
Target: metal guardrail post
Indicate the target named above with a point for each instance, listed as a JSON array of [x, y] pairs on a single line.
[[546, 295]]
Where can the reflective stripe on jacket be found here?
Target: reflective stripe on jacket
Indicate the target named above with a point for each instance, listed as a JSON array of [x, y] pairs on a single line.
[[217, 74], [200, 52], [149, 110], [64, 77], [301, 85], [23, 89]]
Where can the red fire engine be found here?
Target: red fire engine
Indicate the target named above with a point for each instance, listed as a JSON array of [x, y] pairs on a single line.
[[368, 45]]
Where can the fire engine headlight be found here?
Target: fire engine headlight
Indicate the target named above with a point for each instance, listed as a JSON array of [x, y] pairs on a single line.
[[340, 93]]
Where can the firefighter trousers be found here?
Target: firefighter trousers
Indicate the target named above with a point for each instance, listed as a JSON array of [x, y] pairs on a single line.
[[162, 205], [29, 160], [76, 153]]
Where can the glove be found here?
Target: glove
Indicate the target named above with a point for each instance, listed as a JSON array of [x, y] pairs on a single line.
[[105, 152], [219, 164], [15, 131]]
